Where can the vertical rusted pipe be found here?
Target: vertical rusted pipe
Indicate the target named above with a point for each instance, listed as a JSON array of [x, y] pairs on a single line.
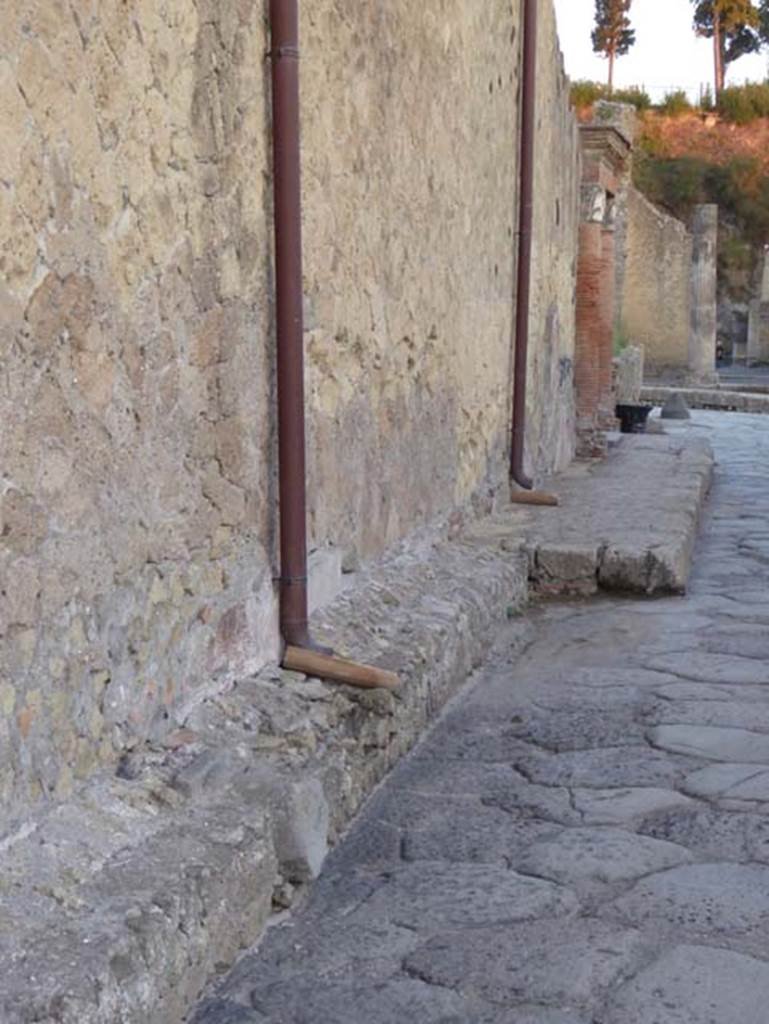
[[525, 228], [284, 30]]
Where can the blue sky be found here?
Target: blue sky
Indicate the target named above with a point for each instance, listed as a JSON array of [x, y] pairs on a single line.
[[667, 55]]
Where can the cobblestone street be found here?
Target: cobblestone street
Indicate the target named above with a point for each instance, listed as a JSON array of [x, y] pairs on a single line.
[[583, 837]]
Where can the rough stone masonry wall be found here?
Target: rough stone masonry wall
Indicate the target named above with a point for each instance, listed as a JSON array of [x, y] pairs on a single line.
[[551, 398], [135, 359], [137, 493], [656, 298]]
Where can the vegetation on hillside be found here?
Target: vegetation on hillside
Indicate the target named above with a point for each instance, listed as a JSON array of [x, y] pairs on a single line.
[[585, 93], [685, 155], [739, 104]]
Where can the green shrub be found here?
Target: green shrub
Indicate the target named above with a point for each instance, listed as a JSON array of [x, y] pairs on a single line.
[[734, 254], [635, 95], [742, 104], [675, 103], [585, 93], [677, 184], [740, 188]]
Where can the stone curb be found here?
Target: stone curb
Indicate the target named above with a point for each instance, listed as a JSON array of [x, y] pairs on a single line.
[[625, 524], [709, 398]]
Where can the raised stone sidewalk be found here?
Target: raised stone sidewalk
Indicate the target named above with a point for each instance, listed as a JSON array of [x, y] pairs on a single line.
[[117, 906], [716, 398], [583, 837]]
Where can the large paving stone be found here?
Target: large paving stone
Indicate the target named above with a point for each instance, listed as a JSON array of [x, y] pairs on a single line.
[[603, 677], [716, 743], [600, 855], [476, 744], [577, 698], [713, 897], [567, 963], [738, 644], [711, 668], [620, 766], [731, 714], [435, 777], [581, 729], [337, 945], [222, 1011], [435, 896], [487, 834], [622, 806], [713, 834], [686, 691], [450, 786], [348, 1001], [694, 985], [732, 781]]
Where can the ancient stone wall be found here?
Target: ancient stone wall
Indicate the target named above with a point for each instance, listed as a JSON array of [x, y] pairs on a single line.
[[656, 300], [551, 402], [137, 469], [135, 479]]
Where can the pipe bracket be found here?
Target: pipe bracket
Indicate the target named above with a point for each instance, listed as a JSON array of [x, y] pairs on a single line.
[[284, 53]]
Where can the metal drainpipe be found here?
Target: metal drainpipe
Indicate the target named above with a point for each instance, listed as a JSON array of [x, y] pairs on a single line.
[[284, 31], [526, 216]]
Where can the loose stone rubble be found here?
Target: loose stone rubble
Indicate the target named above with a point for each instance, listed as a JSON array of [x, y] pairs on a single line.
[[581, 838], [119, 904]]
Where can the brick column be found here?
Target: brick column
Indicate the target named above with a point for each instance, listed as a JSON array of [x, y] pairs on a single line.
[[605, 153], [606, 401], [590, 305]]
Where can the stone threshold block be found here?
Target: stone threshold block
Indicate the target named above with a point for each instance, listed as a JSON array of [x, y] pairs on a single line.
[[626, 524]]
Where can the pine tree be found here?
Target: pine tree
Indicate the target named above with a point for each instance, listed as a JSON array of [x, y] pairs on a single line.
[[737, 27], [612, 35]]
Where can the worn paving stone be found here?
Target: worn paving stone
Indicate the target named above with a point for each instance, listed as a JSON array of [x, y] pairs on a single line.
[[581, 729], [310, 1000], [735, 781], [223, 1011], [622, 766], [716, 743], [715, 898], [713, 834], [622, 806], [711, 668], [569, 962], [435, 896], [694, 985], [599, 854], [435, 783], [691, 691], [487, 835], [730, 714], [340, 944]]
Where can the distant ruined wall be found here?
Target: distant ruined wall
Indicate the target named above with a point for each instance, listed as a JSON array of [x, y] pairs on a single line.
[[655, 301], [137, 458]]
